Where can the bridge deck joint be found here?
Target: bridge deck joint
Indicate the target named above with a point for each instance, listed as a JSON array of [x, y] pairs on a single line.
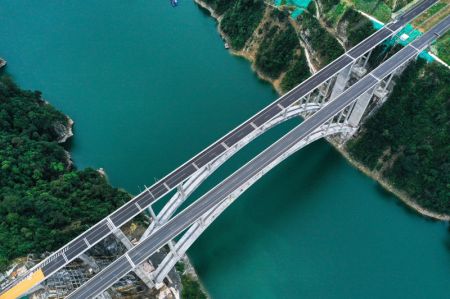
[[418, 51], [149, 192], [375, 77], [130, 260]]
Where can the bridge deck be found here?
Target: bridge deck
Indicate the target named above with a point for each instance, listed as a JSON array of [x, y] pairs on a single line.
[[187, 217], [125, 213]]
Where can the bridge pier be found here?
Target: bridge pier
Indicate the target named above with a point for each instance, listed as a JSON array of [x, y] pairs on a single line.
[[341, 81], [139, 270]]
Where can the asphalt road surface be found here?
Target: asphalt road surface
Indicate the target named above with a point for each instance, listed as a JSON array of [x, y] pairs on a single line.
[[136, 205], [180, 222]]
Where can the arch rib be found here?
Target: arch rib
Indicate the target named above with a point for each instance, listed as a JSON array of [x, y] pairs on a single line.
[[192, 234]]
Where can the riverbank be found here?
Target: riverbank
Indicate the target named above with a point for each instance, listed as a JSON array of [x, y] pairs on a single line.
[[404, 198], [247, 52]]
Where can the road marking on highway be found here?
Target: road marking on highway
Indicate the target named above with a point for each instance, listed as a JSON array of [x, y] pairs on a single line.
[[148, 190], [415, 48], [129, 260], [349, 56], [138, 206], [111, 224], [375, 77], [195, 165], [86, 241], [280, 106], [167, 186], [225, 145], [156, 190], [65, 258], [254, 126], [389, 29]]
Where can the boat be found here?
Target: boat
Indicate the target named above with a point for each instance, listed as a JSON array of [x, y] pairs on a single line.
[[174, 2], [2, 62], [227, 46]]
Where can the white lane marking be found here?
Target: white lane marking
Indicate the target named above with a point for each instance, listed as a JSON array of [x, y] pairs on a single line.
[[376, 78], [65, 258], [111, 224], [167, 186], [389, 28], [415, 48], [280, 106], [129, 260], [195, 165], [253, 125], [351, 57], [86, 241], [224, 145], [148, 190], [138, 206]]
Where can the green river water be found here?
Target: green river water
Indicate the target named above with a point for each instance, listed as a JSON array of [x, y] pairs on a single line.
[[148, 86]]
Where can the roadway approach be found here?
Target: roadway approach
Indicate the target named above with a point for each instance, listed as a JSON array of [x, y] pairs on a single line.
[[214, 197], [142, 201]]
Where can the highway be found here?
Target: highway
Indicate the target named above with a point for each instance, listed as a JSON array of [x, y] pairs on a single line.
[[125, 213], [187, 217]]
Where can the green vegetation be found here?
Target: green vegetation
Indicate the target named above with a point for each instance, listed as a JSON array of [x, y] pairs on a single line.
[[326, 46], [191, 288], [43, 202], [397, 4], [328, 5], [358, 27], [443, 47], [332, 16], [240, 21], [277, 50], [220, 6], [376, 8], [408, 139], [298, 72]]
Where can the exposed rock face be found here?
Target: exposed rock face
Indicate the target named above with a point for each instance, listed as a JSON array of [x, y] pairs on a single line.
[[64, 131]]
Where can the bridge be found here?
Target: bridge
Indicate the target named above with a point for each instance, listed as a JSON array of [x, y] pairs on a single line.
[[330, 103]]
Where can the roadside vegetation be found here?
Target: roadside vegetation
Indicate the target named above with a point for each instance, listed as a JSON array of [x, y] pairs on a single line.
[[325, 45], [298, 72], [379, 9], [44, 201], [408, 139], [355, 27], [443, 47]]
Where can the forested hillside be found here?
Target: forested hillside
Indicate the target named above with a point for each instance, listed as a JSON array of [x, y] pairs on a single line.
[[408, 139], [44, 202]]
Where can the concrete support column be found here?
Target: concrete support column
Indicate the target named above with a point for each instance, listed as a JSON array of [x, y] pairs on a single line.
[[359, 108], [139, 270], [341, 81]]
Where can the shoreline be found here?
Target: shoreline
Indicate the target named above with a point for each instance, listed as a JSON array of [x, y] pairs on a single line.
[[401, 195]]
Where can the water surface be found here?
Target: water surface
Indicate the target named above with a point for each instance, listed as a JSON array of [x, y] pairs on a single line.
[[148, 86]]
